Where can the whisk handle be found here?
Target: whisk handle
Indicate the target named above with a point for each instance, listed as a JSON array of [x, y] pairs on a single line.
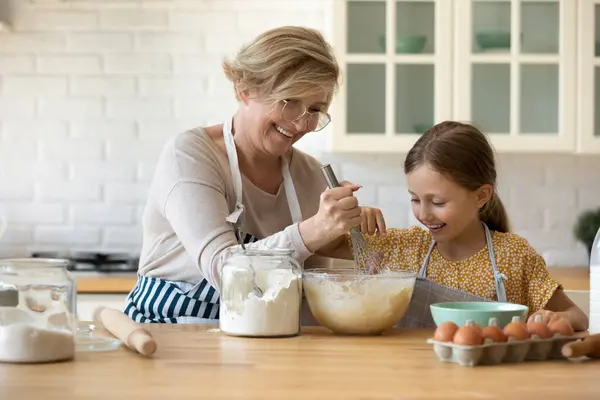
[[329, 176], [332, 182]]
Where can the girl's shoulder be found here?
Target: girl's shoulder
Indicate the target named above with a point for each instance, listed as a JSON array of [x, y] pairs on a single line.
[[514, 247]]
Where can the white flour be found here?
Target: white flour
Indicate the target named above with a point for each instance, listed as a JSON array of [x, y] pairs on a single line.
[[276, 313], [23, 341]]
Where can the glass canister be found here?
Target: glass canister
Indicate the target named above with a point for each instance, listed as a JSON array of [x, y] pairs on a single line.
[[37, 311], [261, 294]]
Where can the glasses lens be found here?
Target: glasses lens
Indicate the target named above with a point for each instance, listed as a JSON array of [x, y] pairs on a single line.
[[322, 120], [292, 110]]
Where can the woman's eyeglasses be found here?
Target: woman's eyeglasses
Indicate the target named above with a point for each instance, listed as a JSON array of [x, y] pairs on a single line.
[[293, 110]]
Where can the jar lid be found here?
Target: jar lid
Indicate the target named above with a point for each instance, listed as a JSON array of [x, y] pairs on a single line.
[[265, 252], [34, 262], [90, 338]]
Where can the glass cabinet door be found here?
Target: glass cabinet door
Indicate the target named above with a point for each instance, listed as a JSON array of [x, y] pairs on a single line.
[[515, 63], [589, 77], [396, 77]]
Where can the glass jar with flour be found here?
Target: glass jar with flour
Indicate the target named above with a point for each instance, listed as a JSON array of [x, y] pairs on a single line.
[[261, 294], [37, 311]]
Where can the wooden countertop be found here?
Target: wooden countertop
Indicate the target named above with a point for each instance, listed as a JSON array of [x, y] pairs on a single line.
[[193, 362], [105, 283], [572, 278]]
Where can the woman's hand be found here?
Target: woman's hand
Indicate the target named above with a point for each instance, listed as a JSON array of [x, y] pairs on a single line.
[[372, 221], [338, 213]]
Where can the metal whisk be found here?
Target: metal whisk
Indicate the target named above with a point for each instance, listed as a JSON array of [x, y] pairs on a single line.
[[365, 259]]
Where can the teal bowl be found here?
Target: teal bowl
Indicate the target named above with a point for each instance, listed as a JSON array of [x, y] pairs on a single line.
[[406, 44], [480, 312], [410, 44], [493, 40]]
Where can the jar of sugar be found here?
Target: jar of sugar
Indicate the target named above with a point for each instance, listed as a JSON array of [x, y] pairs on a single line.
[[37, 311], [261, 294]]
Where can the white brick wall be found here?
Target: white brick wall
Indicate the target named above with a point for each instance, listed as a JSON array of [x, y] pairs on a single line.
[[89, 91]]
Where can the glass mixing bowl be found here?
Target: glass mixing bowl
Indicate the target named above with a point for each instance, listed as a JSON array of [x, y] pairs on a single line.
[[358, 304]]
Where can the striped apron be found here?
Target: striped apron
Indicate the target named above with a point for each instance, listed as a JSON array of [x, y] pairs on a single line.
[[163, 301]]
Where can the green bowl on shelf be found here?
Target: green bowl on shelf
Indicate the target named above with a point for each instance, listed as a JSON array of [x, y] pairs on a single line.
[[493, 40], [478, 311], [421, 128], [406, 44]]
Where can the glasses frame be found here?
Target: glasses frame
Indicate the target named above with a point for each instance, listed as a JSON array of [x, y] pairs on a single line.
[[285, 103]]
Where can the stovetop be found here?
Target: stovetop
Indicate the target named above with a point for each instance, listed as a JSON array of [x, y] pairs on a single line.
[[88, 261]]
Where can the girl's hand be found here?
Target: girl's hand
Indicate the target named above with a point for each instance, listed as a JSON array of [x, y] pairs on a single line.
[[547, 316], [372, 221]]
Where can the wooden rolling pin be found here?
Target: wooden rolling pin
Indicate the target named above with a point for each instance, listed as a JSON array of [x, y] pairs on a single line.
[[589, 346], [134, 335]]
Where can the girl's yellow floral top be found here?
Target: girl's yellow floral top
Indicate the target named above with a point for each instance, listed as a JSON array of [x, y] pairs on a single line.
[[528, 281]]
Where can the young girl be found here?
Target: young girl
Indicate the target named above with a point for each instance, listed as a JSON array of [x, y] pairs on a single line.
[[467, 246]]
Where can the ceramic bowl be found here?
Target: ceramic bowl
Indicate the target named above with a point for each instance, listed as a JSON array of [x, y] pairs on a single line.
[[480, 312], [406, 44], [493, 40]]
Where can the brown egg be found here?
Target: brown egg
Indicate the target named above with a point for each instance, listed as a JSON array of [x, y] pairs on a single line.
[[469, 334], [493, 332], [516, 329], [445, 331], [561, 327], [538, 328], [478, 327]]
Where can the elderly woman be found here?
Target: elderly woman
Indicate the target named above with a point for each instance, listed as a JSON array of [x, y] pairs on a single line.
[[242, 180]]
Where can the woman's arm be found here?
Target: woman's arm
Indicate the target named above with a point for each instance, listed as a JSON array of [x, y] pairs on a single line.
[[197, 212]]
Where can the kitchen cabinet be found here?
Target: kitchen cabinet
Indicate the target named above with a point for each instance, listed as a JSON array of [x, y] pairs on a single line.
[[588, 76], [391, 89], [510, 67], [4, 13]]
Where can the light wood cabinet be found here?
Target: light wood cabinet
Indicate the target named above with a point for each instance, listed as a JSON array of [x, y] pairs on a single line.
[[522, 70], [588, 77]]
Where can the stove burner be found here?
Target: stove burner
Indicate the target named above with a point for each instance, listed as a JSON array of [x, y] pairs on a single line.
[[94, 261]]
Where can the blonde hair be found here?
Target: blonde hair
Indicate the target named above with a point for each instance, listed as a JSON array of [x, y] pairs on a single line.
[[284, 63]]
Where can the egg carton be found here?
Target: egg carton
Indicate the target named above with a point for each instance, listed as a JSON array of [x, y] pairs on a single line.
[[512, 351]]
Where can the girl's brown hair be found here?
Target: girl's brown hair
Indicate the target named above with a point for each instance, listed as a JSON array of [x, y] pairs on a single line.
[[462, 153]]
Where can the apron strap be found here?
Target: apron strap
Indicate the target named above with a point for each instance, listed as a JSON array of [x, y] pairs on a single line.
[[290, 191], [499, 277], [423, 271], [235, 218]]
